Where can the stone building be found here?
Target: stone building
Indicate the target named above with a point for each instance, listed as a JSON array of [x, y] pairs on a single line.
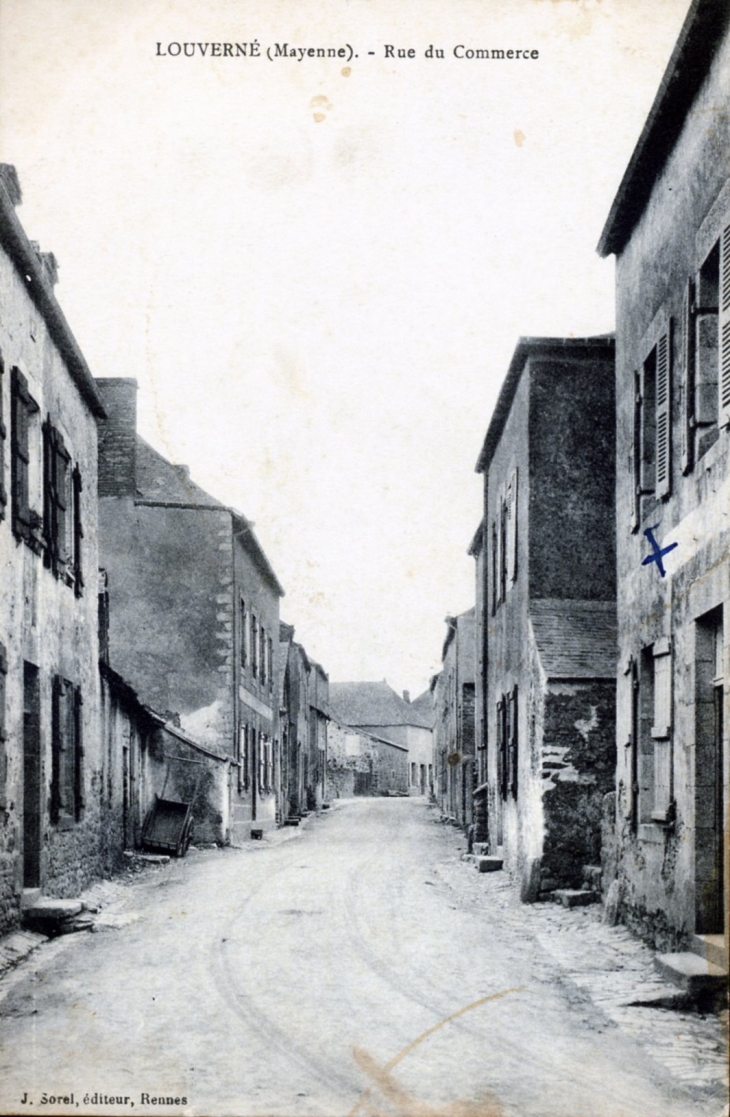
[[548, 601], [669, 229], [360, 763], [315, 776], [194, 611], [51, 819], [304, 713], [481, 789], [377, 709], [454, 700]]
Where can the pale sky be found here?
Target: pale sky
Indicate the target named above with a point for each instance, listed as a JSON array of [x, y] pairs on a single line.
[[317, 270]]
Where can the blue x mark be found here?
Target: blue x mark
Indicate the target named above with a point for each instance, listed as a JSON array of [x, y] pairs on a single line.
[[657, 553]]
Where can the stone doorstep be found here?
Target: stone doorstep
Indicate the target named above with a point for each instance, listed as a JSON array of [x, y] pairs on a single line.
[[711, 947], [691, 973], [488, 864], [574, 897]]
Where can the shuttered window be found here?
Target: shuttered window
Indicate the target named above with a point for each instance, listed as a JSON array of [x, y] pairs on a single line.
[[501, 749], [661, 731], [24, 413], [243, 632], [254, 646], [3, 437], [654, 718], [688, 384], [244, 734], [67, 776]]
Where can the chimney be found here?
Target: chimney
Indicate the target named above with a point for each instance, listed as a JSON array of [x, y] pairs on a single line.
[[48, 262], [118, 437], [406, 695], [11, 182]]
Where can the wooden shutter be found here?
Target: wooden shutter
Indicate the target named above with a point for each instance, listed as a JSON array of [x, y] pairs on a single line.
[[636, 454], [501, 758], [662, 726], [3, 436], [50, 555], [724, 332], [78, 752], [664, 413], [3, 726], [688, 384], [662, 731], [512, 743], [58, 740], [20, 456], [78, 532], [495, 567], [512, 529], [632, 765]]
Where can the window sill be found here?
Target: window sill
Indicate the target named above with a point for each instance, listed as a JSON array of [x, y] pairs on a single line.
[[651, 833]]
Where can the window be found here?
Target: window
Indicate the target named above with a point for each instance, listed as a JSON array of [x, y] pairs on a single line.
[[706, 388], [507, 750], [3, 724], [652, 454], [24, 462], [266, 762], [504, 542], [3, 436], [262, 655], [244, 756], [243, 616], [67, 779], [62, 528], [254, 646], [653, 734], [271, 663]]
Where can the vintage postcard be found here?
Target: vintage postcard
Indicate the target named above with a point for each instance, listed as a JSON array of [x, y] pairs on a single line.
[[364, 558]]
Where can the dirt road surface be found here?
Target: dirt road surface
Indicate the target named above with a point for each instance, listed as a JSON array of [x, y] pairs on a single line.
[[322, 975]]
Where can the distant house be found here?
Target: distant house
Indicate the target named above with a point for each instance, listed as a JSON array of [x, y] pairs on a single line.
[[377, 709], [304, 712], [194, 611], [453, 700], [548, 610], [360, 763], [669, 229]]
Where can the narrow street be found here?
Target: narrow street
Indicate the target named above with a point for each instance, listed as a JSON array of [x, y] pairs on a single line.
[[288, 977]]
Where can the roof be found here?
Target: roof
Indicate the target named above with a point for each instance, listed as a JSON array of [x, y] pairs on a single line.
[[372, 704], [452, 626], [31, 270], [534, 347], [575, 639], [424, 706], [381, 740], [701, 34], [477, 543], [158, 481]]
